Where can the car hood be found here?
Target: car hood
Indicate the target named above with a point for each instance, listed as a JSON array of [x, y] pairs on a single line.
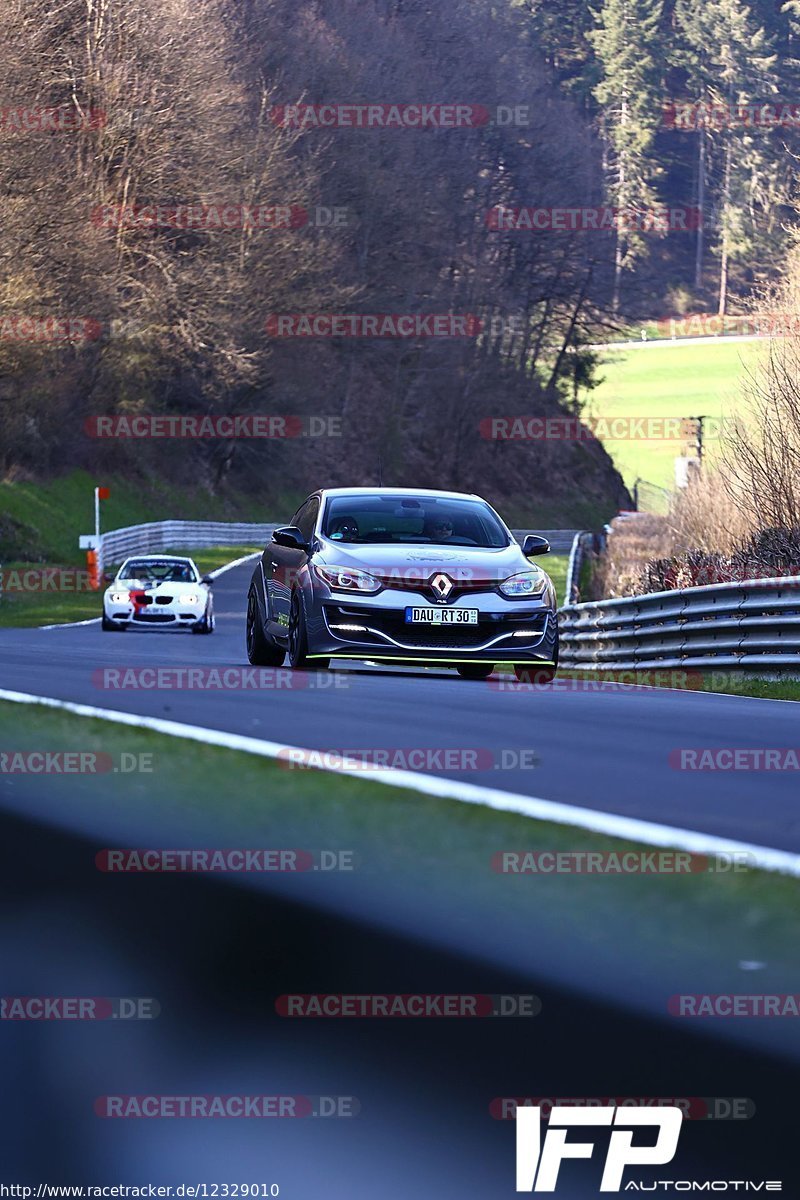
[[144, 585], [467, 563]]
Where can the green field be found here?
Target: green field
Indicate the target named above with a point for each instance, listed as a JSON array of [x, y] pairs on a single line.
[[667, 380]]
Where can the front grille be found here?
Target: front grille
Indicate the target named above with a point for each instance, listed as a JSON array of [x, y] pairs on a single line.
[[142, 600], [441, 637], [422, 587], [154, 618]]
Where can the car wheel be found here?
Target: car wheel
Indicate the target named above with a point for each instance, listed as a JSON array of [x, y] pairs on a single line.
[[205, 624], [108, 626], [475, 670], [298, 640], [260, 651]]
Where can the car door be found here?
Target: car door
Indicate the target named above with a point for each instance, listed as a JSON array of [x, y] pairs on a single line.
[[283, 564]]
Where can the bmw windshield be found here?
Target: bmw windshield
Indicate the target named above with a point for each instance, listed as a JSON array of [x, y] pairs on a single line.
[[412, 520]]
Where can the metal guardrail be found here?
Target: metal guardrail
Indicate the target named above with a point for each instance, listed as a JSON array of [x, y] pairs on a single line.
[[117, 544], [752, 625]]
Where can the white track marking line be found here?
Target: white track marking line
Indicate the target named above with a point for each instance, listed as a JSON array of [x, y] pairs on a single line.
[[237, 562], [70, 624], [610, 824]]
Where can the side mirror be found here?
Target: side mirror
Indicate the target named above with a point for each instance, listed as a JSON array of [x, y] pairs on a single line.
[[108, 577], [207, 579], [290, 535], [533, 544]]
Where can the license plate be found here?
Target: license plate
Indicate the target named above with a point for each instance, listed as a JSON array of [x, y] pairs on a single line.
[[441, 616]]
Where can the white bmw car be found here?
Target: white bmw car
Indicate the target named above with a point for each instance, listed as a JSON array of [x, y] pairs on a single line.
[[159, 590]]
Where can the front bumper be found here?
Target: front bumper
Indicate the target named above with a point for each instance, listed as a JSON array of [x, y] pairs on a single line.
[[174, 614], [354, 627]]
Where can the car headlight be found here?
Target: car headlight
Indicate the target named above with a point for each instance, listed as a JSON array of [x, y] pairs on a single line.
[[188, 598], [525, 584], [119, 597], [345, 579]]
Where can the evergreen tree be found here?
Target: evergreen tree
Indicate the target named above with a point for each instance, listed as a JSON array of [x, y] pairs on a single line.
[[626, 41], [730, 62]]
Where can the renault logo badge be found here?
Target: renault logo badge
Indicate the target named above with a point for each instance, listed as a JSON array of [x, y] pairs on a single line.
[[442, 587]]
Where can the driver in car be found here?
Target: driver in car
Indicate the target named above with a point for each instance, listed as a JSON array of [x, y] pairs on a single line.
[[438, 529], [345, 529]]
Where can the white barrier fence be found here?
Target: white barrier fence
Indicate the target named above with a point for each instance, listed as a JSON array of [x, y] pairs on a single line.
[[196, 535], [752, 625], [179, 535]]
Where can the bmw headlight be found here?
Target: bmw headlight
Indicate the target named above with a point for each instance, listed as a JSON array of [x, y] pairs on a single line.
[[188, 598], [524, 585], [119, 597], [345, 579]]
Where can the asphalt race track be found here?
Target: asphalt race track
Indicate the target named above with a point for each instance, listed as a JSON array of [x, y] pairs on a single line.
[[216, 953], [607, 749]]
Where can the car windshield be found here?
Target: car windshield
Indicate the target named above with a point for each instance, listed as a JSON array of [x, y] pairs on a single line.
[[155, 571], [412, 520]]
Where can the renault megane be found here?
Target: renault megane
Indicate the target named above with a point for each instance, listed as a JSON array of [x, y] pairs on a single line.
[[407, 576]]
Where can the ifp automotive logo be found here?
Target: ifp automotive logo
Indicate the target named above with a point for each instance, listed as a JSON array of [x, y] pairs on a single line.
[[538, 1165]]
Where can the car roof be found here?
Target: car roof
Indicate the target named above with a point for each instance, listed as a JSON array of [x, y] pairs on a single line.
[[396, 491], [158, 558]]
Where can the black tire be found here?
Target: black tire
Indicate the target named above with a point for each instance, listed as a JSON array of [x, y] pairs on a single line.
[[111, 626], [206, 625], [475, 670], [298, 640], [261, 652]]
